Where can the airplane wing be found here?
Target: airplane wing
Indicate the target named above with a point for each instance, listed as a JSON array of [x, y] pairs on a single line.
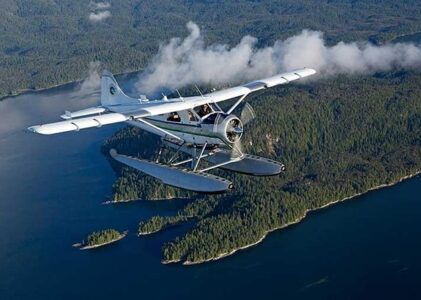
[[78, 124], [135, 109], [153, 109], [260, 84]]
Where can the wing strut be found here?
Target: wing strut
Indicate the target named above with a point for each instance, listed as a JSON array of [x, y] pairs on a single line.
[[237, 103], [200, 156]]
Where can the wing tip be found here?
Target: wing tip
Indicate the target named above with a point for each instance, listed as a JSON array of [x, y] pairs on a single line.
[[35, 129], [307, 71], [41, 129], [312, 71]]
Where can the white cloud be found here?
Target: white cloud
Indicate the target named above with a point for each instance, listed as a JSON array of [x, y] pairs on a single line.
[[189, 61], [99, 16], [93, 80], [99, 5], [98, 11]]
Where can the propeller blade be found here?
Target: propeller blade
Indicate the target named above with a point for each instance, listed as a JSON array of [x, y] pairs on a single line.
[[247, 114], [237, 149]]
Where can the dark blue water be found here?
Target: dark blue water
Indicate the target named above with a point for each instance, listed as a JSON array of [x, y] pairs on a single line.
[[51, 190]]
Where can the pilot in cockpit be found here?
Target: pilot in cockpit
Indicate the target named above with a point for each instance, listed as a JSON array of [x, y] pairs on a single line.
[[204, 110]]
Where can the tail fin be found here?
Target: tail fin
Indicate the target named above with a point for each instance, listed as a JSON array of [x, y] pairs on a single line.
[[111, 93]]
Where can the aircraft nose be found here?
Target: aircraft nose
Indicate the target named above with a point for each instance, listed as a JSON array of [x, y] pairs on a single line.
[[238, 130]]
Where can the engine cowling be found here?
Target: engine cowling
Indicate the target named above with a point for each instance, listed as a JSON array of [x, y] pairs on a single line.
[[228, 127]]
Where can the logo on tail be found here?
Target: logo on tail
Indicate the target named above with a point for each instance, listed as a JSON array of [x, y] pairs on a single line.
[[111, 93]]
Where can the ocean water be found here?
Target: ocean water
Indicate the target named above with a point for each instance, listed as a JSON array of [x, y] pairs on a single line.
[[51, 194]]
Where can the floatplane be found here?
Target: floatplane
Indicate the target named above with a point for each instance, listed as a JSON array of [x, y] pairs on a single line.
[[196, 126]]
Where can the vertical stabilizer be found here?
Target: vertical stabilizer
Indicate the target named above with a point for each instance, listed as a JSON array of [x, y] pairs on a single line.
[[111, 93]]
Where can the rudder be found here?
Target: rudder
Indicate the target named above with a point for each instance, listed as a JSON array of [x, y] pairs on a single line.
[[111, 93]]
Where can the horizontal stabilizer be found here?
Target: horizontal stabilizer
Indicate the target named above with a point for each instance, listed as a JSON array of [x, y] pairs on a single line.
[[189, 180], [77, 124]]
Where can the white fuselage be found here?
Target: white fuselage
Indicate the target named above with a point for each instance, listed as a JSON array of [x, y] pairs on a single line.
[[190, 127]]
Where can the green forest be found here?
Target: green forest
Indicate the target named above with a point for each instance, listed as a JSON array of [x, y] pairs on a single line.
[[337, 137], [44, 43], [101, 237]]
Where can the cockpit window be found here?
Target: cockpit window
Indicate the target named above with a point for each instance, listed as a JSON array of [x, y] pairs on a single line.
[[203, 110], [214, 107], [174, 117]]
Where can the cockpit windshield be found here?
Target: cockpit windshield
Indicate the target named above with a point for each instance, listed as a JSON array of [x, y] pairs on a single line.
[[212, 117], [207, 109]]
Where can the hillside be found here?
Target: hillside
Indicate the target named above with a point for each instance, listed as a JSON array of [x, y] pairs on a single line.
[[47, 42], [337, 138]]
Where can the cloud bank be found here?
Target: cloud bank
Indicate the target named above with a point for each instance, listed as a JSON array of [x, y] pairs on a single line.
[[99, 16], [99, 13], [186, 61], [92, 81], [99, 5]]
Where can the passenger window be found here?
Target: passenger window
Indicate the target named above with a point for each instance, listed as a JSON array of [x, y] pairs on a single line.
[[174, 117], [192, 117]]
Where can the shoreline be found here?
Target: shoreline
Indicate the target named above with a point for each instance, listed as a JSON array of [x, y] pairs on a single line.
[[37, 90], [81, 247], [137, 200], [299, 219], [147, 233], [24, 91]]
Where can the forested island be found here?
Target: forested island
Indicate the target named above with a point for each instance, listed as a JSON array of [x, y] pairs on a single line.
[[339, 137], [101, 238]]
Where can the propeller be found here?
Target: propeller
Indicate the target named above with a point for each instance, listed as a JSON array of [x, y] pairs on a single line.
[[246, 116], [237, 149], [234, 133]]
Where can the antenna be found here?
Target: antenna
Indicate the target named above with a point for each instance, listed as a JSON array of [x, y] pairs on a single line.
[[198, 90], [181, 97]]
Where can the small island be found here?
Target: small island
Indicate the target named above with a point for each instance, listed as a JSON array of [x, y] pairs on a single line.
[[101, 238], [158, 223]]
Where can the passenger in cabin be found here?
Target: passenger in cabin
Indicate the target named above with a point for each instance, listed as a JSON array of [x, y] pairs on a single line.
[[174, 117], [192, 117], [204, 110]]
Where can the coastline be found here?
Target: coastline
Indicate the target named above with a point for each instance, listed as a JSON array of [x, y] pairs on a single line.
[[81, 247], [299, 219], [57, 85], [143, 233], [136, 200], [38, 90], [148, 233]]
